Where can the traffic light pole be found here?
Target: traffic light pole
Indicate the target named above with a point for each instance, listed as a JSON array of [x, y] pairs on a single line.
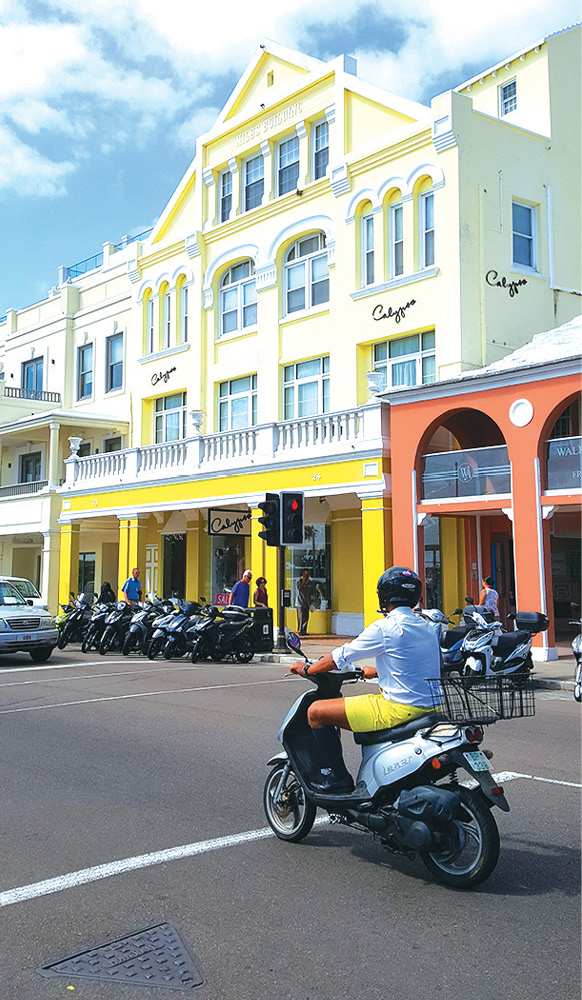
[[281, 646]]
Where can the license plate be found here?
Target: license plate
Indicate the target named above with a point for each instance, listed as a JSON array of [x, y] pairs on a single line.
[[477, 760], [24, 638]]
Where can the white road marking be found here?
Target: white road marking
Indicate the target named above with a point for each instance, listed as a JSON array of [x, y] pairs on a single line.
[[94, 874], [92, 677], [144, 694]]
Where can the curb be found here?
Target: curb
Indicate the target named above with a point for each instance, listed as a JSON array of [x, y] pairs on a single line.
[[540, 683]]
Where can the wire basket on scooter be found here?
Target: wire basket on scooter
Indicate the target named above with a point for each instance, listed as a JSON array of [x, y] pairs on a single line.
[[482, 699]]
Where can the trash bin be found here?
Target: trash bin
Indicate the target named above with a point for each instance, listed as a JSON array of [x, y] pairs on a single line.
[[262, 631]]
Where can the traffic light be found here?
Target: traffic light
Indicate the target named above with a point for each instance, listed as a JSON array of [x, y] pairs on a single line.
[[292, 532], [271, 519]]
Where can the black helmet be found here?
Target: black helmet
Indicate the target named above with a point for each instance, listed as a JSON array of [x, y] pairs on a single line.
[[399, 585]]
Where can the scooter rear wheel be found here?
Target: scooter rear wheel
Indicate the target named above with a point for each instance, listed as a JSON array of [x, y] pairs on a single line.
[[292, 815], [155, 646], [243, 649], [470, 861]]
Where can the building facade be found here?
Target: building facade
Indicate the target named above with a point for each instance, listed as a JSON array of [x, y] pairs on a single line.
[[329, 241]]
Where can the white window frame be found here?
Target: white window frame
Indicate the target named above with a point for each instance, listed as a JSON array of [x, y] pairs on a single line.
[[292, 380], [367, 262], [23, 456], [314, 148], [232, 391], [162, 414], [396, 212], [241, 287], [110, 365], [183, 295], [246, 186], [309, 261], [418, 357], [150, 325], [507, 103], [167, 319], [426, 230], [80, 372], [224, 197], [33, 365], [533, 237], [282, 151]]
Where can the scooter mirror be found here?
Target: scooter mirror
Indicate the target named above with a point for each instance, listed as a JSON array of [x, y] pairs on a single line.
[[293, 640], [458, 611], [469, 600]]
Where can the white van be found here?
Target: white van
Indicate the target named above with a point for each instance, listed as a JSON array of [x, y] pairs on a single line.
[[24, 628], [28, 591]]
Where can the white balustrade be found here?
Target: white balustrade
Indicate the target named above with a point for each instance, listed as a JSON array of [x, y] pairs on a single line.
[[275, 443]]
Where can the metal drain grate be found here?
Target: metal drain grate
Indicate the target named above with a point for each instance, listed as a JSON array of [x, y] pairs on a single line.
[[154, 956]]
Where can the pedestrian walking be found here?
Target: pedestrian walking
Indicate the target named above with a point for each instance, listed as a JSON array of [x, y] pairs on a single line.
[[132, 587], [489, 598], [241, 591], [260, 597], [303, 602]]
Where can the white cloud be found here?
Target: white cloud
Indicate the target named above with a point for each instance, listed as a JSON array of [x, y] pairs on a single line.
[[111, 71], [36, 174]]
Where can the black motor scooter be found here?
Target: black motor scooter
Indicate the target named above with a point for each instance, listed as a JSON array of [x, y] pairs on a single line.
[[223, 634]]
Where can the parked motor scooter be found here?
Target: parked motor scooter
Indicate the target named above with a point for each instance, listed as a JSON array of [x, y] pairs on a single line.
[[96, 627], [407, 792], [159, 635], [179, 630], [577, 651], [116, 625], [450, 639], [73, 623], [143, 624], [223, 634], [489, 650]]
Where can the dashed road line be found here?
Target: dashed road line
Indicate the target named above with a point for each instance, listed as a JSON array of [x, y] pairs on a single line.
[[144, 694], [85, 875]]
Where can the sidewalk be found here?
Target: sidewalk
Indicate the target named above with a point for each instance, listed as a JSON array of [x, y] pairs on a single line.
[[551, 675]]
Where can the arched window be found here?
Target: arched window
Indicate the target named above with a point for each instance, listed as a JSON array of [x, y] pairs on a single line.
[[306, 274], [426, 235], [148, 321], [182, 309], [238, 298]]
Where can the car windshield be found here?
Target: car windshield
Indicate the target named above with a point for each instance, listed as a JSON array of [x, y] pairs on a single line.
[[9, 594], [25, 588]]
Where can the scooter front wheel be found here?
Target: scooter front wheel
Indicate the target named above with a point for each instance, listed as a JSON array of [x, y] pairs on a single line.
[[156, 644], [471, 857], [578, 682], [289, 813]]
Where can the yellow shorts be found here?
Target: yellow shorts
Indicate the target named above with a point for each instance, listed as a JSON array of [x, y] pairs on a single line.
[[368, 712]]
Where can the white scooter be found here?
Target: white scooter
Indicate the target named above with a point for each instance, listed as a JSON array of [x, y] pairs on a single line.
[[488, 650], [398, 793]]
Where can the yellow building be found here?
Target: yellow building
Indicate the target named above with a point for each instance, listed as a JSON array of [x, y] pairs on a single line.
[[329, 240]]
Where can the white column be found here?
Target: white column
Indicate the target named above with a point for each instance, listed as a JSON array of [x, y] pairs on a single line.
[[50, 568], [53, 476]]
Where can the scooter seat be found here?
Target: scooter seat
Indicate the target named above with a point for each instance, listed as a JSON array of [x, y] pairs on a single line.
[[453, 636], [396, 733], [508, 641]]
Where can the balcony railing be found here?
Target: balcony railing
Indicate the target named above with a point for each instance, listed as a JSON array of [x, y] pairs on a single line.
[[38, 394], [564, 463], [327, 435], [23, 489], [474, 472]]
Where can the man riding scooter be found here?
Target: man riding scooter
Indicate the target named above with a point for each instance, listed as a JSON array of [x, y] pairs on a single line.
[[406, 652]]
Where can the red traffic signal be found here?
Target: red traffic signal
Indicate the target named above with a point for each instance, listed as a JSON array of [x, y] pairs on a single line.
[[292, 518]]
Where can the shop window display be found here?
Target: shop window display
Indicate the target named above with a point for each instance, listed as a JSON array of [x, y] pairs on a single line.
[[314, 556]]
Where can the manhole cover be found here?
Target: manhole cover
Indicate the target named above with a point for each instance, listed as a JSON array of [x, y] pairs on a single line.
[[155, 956]]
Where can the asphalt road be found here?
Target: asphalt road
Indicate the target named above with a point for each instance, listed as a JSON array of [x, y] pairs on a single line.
[[107, 759]]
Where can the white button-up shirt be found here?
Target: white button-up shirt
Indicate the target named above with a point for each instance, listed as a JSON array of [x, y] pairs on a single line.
[[406, 651]]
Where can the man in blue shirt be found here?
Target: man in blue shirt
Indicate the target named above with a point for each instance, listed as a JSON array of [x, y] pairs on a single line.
[[132, 587], [241, 590]]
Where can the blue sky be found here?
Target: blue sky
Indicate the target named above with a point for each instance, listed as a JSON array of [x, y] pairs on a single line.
[[100, 103]]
